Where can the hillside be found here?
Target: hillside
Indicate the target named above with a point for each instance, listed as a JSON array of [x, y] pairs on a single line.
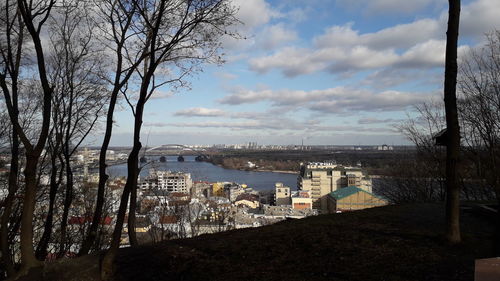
[[387, 243]]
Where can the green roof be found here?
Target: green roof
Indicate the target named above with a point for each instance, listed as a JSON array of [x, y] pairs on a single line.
[[350, 190], [345, 192]]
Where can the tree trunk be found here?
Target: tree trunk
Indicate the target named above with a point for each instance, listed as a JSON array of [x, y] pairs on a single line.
[[103, 177], [28, 259], [41, 251], [132, 236], [133, 168], [130, 186], [107, 263], [133, 172], [13, 187], [453, 130], [68, 200]]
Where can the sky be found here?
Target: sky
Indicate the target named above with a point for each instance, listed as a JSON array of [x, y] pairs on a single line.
[[332, 72]]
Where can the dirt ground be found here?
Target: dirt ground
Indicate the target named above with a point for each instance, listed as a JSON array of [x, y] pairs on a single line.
[[402, 242], [387, 243]]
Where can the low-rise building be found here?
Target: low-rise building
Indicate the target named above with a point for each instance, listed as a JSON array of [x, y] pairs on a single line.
[[233, 191], [353, 198], [248, 200], [301, 200], [218, 189], [283, 195]]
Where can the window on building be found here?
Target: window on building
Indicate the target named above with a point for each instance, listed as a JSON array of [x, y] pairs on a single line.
[[329, 173]]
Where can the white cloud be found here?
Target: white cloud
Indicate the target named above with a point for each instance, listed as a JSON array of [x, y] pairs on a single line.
[[293, 61], [417, 45], [365, 101], [252, 15], [479, 17], [390, 77], [159, 94], [398, 36], [339, 100], [388, 6], [201, 112], [297, 15], [226, 75], [280, 124], [297, 61], [275, 35], [372, 120], [427, 54], [341, 49]]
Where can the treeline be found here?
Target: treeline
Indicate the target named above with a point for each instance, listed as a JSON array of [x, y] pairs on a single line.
[[373, 161], [242, 163], [65, 66]]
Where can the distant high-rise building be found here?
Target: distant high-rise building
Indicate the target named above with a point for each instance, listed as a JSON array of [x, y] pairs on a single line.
[[252, 145]]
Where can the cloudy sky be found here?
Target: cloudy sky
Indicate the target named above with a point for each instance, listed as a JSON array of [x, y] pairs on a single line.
[[322, 71]]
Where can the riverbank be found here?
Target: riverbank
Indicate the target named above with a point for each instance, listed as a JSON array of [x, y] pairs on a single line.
[[256, 170], [277, 171]]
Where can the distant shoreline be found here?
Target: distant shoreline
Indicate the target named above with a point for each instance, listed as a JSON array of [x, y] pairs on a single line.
[[219, 165], [275, 171], [256, 170]]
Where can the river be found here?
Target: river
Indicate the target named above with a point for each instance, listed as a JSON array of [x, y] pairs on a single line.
[[203, 171]]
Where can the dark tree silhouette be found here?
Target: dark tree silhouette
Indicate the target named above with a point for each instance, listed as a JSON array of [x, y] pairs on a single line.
[[452, 125]]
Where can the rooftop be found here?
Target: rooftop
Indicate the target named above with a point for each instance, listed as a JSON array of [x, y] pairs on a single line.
[[346, 192]]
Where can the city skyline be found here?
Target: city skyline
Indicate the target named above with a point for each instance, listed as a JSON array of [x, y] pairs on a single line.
[[322, 72]]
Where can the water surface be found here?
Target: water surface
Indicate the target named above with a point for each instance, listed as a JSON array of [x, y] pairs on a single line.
[[203, 171]]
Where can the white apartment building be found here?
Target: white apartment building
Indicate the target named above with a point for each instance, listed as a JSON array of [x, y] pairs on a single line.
[[321, 178], [168, 181]]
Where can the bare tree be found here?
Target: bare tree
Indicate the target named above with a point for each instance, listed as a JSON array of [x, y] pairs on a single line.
[[119, 35], [194, 212], [154, 44], [12, 33], [177, 35], [421, 178], [34, 15], [56, 175], [479, 86], [79, 86]]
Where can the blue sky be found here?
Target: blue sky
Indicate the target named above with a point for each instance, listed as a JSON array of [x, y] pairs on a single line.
[[323, 71]]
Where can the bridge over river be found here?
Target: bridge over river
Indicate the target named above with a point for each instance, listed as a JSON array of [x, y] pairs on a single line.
[[174, 149]]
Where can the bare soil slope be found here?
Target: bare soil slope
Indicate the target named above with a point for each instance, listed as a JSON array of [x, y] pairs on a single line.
[[388, 243]]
